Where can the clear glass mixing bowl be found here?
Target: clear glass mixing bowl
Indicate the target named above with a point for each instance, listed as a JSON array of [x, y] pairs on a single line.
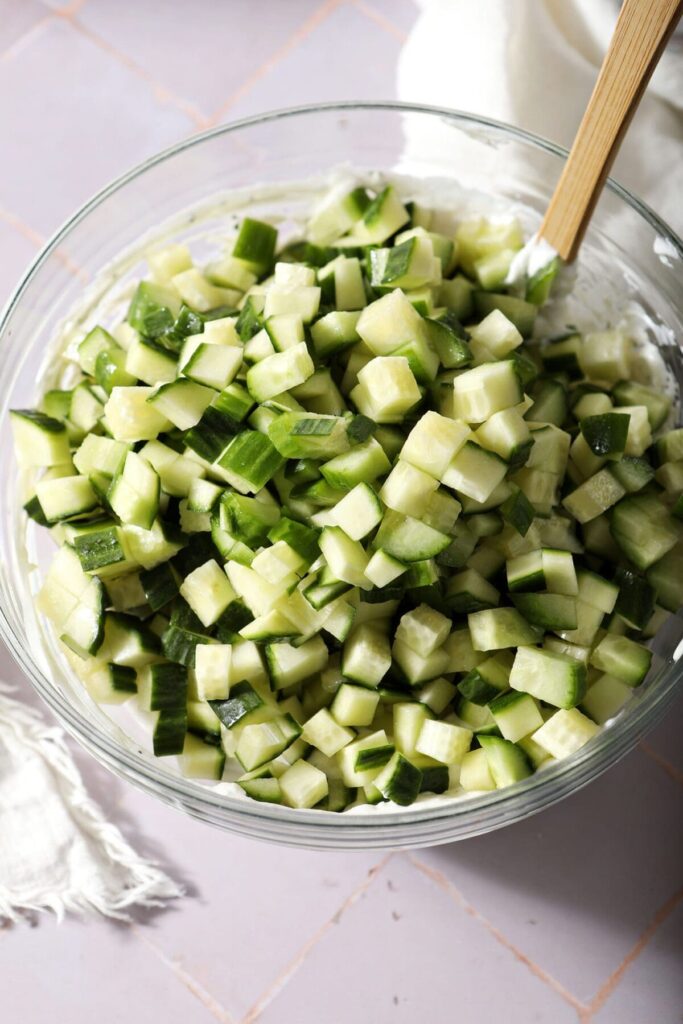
[[628, 251]]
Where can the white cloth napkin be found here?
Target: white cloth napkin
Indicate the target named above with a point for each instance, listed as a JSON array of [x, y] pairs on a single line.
[[533, 63], [57, 851]]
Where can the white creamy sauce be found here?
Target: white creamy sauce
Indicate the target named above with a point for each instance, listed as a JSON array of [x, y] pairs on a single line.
[[576, 301]]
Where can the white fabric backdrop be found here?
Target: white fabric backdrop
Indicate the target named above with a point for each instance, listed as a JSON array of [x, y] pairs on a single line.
[[533, 63]]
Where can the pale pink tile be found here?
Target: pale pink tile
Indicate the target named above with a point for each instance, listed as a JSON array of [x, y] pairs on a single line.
[[404, 953], [651, 988], [77, 118], [17, 17], [202, 53], [347, 57], [665, 739], [251, 907], [400, 13], [574, 886], [16, 252], [78, 972]]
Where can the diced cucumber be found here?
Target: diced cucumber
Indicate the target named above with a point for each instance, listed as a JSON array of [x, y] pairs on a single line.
[[485, 390], [487, 680], [354, 705], [208, 592], [399, 781], [362, 464], [443, 741], [643, 529], [386, 389], [516, 715], [39, 440], [423, 629], [548, 611], [594, 497], [565, 732], [475, 472], [368, 469], [495, 628], [408, 489], [366, 657], [553, 678], [303, 785], [605, 698], [623, 658], [474, 772], [407, 539], [433, 443], [506, 761]]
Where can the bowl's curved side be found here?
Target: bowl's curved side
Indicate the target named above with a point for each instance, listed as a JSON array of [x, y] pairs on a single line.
[[272, 145]]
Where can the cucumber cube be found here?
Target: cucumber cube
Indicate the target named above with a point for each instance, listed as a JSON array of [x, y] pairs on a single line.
[[359, 512], [383, 569], [354, 705], [507, 762], [39, 440], [474, 772], [553, 678], [498, 334], [623, 658], [433, 443], [475, 472], [280, 372], [386, 389], [516, 715], [212, 671], [408, 489], [367, 655], [208, 592], [325, 733], [605, 356], [493, 629], [303, 785], [345, 557], [485, 390], [444, 742], [423, 629], [565, 732], [605, 698], [399, 781]]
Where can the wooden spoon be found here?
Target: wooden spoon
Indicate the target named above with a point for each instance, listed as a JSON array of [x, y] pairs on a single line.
[[640, 35]]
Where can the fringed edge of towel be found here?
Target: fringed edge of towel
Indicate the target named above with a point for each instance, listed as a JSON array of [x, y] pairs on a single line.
[[145, 884]]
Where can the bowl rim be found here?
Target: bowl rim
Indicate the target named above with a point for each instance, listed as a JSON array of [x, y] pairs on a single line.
[[514, 802]]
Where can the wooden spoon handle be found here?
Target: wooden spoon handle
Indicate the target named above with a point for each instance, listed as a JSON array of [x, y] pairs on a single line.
[[640, 35]]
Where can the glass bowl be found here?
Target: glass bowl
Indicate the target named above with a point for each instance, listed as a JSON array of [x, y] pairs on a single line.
[[629, 254]]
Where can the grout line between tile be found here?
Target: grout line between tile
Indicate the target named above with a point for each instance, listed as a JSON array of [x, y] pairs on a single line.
[[21, 228], [68, 10], [284, 977], [193, 986], [25, 38], [380, 19], [670, 770], [159, 91], [644, 938], [35, 238], [440, 879], [298, 36]]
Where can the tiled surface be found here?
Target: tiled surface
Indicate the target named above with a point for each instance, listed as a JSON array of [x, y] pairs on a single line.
[[569, 916], [17, 20], [603, 888], [318, 65], [201, 55], [401, 916], [76, 118], [78, 972]]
